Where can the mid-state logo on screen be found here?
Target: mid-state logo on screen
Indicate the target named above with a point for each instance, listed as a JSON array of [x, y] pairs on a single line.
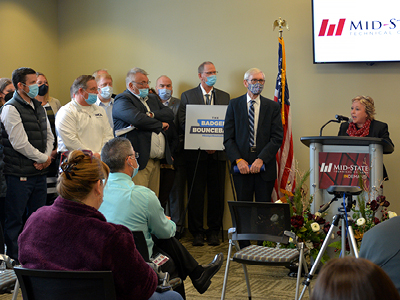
[[360, 27], [331, 28]]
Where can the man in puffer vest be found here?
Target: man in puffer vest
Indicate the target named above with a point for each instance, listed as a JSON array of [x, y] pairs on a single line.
[[28, 141]]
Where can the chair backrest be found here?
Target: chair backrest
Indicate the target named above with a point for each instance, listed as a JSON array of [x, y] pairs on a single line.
[[65, 285], [260, 221], [141, 244]]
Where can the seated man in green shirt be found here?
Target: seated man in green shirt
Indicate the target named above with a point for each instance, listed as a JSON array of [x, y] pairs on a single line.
[[139, 209]]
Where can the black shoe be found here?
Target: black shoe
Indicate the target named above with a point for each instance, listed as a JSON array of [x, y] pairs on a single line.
[[198, 240], [213, 240], [203, 282]]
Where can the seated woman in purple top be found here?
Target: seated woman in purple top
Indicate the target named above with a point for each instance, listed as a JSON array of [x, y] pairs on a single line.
[[72, 234]]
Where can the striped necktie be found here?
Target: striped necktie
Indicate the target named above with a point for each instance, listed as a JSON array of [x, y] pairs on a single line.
[[251, 122]]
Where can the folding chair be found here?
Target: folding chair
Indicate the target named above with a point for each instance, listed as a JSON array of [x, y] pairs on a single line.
[[65, 285], [261, 221]]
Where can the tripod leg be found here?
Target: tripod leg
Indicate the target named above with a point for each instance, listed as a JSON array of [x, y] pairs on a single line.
[[352, 242], [320, 254]]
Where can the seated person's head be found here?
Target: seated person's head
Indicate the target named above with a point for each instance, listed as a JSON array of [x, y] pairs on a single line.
[[81, 178], [119, 156], [353, 278]]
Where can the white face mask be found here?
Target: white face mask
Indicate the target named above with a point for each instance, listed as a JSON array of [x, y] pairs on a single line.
[[106, 92]]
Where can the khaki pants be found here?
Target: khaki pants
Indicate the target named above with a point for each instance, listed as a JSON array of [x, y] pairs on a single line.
[[149, 176]]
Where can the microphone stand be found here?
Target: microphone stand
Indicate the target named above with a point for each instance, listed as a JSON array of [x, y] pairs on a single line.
[[320, 131]]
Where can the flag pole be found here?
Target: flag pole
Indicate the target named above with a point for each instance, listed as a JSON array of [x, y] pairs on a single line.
[[280, 24]]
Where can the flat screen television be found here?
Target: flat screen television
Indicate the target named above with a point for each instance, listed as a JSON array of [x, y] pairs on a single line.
[[347, 31]]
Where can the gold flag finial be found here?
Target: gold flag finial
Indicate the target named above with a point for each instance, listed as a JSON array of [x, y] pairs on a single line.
[[280, 23]]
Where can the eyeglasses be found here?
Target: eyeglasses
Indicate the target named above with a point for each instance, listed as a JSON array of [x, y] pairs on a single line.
[[143, 83], [254, 81], [211, 73], [136, 155]]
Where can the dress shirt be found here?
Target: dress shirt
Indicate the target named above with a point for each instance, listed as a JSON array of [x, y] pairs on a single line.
[[108, 108], [135, 207], [256, 114], [209, 93], [157, 148], [11, 119], [82, 127]]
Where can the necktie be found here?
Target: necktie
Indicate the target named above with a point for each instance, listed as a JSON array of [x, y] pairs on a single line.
[[208, 102], [251, 122]]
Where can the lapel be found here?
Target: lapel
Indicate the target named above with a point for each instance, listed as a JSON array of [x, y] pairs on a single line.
[[135, 101], [199, 96], [263, 112]]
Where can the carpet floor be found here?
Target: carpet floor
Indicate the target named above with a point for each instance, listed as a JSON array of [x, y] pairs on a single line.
[[272, 283]]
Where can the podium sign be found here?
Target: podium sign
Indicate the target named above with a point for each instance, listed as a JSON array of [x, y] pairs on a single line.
[[204, 128], [343, 169]]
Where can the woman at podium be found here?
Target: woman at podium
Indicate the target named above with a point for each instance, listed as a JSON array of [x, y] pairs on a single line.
[[363, 124]]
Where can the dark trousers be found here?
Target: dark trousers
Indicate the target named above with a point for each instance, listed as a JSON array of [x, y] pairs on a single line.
[[22, 199], [248, 186], [180, 264], [211, 176], [167, 176], [177, 195]]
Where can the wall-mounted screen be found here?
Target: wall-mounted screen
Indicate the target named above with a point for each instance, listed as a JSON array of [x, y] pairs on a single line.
[[356, 30]]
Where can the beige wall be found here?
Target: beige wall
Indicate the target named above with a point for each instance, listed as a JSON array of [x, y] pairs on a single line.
[[173, 37]]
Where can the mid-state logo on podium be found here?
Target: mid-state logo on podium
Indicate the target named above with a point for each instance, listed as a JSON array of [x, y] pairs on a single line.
[[331, 28], [343, 169]]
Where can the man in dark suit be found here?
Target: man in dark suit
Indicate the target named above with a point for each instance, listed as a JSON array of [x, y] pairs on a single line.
[[253, 134], [210, 172], [135, 106], [174, 179]]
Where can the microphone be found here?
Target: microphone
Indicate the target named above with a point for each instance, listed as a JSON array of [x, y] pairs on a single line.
[[341, 118]]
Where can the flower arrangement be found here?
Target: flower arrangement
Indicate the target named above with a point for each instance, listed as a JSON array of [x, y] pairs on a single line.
[[309, 228]]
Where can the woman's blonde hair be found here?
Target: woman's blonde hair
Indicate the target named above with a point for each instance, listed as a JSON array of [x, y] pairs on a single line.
[[79, 174], [368, 102]]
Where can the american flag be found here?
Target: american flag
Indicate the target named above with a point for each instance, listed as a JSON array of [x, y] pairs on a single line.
[[285, 183]]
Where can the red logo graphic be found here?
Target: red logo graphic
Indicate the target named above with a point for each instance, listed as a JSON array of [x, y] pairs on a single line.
[[331, 28]]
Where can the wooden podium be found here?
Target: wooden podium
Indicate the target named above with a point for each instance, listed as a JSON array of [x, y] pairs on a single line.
[[340, 160]]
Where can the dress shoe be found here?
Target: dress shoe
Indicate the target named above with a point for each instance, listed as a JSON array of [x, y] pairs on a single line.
[[213, 240], [203, 282], [198, 240]]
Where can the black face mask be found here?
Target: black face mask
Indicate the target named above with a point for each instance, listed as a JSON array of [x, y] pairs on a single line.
[[43, 89], [8, 96]]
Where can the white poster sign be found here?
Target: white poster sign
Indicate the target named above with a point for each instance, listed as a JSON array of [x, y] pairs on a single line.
[[205, 127]]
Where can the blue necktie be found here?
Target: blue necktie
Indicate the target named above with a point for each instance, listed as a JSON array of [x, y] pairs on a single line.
[[251, 122]]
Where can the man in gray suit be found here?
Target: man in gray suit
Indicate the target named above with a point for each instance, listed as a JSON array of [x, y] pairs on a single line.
[[172, 181], [211, 168]]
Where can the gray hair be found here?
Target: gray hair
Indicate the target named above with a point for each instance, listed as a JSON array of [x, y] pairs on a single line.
[[131, 74], [200, 69], [80, 82], [115, 152], [251, 72]]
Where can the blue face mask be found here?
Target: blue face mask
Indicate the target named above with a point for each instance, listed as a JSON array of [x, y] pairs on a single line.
[[106, 92], [164, 94], [143, 93], [135, 170], [256, 88], [92, 98], [211, 80], [33, 90]]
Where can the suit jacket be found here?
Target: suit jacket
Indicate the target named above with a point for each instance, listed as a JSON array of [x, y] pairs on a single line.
[[129, 110], [377, 129], [269, 133], [195, 96]]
